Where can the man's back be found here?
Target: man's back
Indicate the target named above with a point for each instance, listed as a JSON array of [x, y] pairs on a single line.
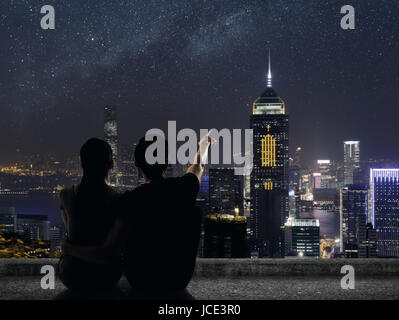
[[164, 235]]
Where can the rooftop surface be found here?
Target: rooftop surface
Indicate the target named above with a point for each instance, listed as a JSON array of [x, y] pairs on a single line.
[[231, 279]]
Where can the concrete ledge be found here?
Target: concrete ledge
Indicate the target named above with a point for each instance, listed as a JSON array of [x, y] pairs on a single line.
[[221, 268], [294, 267]]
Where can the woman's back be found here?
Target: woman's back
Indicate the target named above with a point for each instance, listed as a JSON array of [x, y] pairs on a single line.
[[90, 212]]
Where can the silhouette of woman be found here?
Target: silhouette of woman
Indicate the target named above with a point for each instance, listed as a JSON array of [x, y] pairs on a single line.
[[89, 211]]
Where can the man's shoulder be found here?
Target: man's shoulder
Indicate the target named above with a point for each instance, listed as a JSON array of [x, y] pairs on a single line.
[[133, 193], [187, 184], [112, 193]]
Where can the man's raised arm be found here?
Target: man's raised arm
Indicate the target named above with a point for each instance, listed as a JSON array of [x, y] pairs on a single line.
[[197, 168]]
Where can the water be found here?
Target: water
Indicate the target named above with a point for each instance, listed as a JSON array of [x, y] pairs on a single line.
[[329, 222], [48, 204], [34, 203]]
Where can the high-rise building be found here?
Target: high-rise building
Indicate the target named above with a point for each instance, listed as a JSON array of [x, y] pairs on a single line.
[[56, 234], [353, 217], [351, 160], [367, 247], [298, 157], [294, 191], [328, 178], [269, 177], [111, 136], [302, 237], [225, 191], [33, 226], [128, 178], [225, 236], [384, 188], [203, 196], [8, 219]]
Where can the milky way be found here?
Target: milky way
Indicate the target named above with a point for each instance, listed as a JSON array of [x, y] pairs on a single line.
[[201, 63]]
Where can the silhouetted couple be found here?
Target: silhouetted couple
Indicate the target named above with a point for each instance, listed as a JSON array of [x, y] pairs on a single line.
[[151, 233]]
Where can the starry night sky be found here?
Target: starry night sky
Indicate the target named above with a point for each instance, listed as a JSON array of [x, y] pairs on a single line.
[[201, 63]]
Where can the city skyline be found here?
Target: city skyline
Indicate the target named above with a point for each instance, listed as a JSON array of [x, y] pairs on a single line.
[[157, 65]]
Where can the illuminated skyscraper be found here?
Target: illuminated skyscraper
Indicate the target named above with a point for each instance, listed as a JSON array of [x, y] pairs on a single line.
[[384, 188], [353, 217], [111, 136], [302, 237], [128, 178], [269, 177], [351, 160]]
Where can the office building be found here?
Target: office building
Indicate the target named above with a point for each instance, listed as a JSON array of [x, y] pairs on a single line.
[[367, 239], [269, 177], [128, 178], [384, 188], [225, 236], [56, 235], [351, 160], [353, 217], [302, 237], [33, 226], [111, 136], [8, 219], [225, 191]]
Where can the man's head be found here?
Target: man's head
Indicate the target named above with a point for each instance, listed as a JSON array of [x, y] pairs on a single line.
[[151, 171], [96, 158]]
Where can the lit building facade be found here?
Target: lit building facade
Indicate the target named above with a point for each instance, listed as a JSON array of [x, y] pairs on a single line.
[[111, 136], [128, 178], [269, 177], [302, 238], [202, 201], [56, 235], [354, 205], [33, 226], [384, 187], [351, 160], [225, 191], [328, 178]]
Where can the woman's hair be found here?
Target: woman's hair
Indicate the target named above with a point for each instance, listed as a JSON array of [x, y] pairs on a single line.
[[152, 171], [96, 158]]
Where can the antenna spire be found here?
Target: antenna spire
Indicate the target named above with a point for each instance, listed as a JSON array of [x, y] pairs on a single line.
[[269, 73]]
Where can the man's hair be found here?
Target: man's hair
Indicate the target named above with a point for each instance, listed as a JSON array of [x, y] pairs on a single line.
[[96, 157], [151, 171]]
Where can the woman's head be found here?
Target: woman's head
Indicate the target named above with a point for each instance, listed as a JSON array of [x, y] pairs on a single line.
[[96, 158], [151, 171]]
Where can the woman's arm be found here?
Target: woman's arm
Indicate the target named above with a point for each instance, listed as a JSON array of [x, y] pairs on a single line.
[[64, 214], [102, 254]]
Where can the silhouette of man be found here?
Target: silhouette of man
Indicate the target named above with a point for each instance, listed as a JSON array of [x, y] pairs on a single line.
[[157, 227]]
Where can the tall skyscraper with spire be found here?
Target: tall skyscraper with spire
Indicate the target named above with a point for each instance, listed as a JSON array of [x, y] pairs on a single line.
[[111, 136], [269, 177]]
